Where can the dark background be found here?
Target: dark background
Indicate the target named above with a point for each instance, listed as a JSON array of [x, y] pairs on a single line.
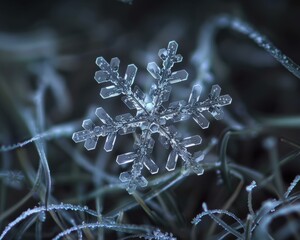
[[71, 34]]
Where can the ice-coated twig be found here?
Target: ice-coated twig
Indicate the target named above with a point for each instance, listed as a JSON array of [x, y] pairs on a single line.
[[152, 116]]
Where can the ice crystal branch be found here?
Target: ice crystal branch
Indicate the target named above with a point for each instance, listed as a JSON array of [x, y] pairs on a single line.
[[151, 116]]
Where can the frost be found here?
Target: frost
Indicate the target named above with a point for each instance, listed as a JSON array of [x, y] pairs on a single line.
[[158, 235], [152, 116], [250, 187]]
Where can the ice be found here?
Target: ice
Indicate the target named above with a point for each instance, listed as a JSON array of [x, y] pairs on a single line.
[[164, 141], [154, 70], [200, 120], [126, 158], [130, 74], [224, 100], [126, 117], [151, 116], [195, 94], [114, 64], [126, 130], [136, 101], [102, 76], [177, 105], [81, 136], [172, 161], [102, 63], [172, 47], [103, 116], [88, 125], [165, 94], [163, 54], [178, 76], [150, 165], [110, 91], [141, 181], [139, 94], [91, 142], [110, 141], [129, 101], [215, 91], [197, 169], [217, 113], [191, 141]]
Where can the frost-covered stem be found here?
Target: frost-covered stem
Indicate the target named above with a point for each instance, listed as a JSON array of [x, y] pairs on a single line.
[[292, 186], [249, 189], [262, 41], [116, 227], [266, 44], [226, 227], [51, 207], [54, 132]]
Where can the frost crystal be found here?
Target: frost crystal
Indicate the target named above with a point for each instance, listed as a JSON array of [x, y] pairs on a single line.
[[151, 116]]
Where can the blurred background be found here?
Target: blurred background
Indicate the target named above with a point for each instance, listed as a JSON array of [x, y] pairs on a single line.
[[55, 44]]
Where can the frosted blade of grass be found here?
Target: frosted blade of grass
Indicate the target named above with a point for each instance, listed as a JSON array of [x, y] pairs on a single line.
[[249, 189], [58, 131], [224, 225], [51, 207], [292, 186], [24, 227], [262, 41], [126, 228]]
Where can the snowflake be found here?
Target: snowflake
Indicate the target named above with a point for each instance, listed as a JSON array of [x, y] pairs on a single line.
[[151, 116]]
